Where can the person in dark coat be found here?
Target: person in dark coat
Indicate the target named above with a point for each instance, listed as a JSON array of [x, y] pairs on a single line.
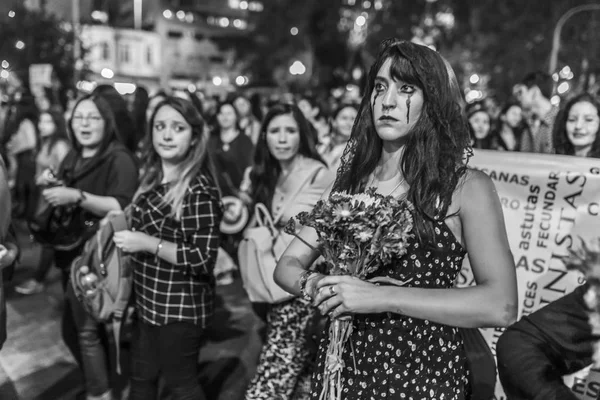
[[537, 351], [8, 247]]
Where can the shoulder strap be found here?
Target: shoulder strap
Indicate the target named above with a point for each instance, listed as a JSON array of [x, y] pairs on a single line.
[[118, 223], [295, 194], [263, 217]]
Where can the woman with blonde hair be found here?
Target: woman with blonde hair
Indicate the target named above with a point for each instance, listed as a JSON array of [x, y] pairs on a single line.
[[173, 241]]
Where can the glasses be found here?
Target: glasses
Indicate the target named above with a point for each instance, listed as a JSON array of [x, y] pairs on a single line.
[[93, 119]]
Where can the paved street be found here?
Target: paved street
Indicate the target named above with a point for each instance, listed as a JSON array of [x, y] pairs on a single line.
[[36, 365]]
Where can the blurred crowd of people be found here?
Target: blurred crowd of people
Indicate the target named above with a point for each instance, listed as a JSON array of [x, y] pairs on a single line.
[[117, 150], [101, 152], [529, 122]]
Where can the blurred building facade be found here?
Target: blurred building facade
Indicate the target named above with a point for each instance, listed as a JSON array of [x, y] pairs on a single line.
[[123, 56], [196, 35], [167, 43]]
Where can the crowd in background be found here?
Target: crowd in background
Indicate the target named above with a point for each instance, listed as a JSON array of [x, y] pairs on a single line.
[[261, 148], [34, 132], [529, 122]]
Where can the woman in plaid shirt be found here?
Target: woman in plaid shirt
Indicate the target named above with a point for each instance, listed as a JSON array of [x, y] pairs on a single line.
[[173, 240]]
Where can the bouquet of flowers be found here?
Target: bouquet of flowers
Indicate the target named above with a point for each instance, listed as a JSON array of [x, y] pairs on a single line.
[[356, 235], [586, 259]]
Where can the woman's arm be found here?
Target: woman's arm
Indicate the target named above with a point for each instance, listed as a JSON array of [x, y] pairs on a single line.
[[122, 184], [200, 221], [492, 302], [135, 242], [98, 205], [200, 227], [297, 259]]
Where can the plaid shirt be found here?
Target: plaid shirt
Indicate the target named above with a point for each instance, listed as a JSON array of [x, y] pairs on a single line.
[[184, 291]]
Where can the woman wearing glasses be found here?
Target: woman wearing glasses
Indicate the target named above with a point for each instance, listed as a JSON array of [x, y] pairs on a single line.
[[98, 175]]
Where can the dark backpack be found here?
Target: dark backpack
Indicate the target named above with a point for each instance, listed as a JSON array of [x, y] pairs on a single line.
[[102, 276]]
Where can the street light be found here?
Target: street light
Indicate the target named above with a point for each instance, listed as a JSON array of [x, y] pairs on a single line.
[[107, 73], [75, 14], [563, 88], [137, 14], [297, 68], [361, 21], [558, 28], [241, 80]]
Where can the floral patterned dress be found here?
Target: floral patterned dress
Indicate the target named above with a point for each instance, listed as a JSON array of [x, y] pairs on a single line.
[[399, 357], [288, 357]]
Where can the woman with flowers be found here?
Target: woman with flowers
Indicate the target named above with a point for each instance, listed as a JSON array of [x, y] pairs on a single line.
[[286, 162], [411, 142]]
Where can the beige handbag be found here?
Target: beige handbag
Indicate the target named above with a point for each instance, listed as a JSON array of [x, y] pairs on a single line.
[[260, 250]]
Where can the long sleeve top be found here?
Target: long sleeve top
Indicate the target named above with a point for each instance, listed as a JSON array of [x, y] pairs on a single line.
[[541, 347], [183, 291]]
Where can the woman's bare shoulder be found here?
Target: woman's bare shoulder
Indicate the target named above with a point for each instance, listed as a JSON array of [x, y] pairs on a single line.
[[472, 185], [475, 190], [474, 182]]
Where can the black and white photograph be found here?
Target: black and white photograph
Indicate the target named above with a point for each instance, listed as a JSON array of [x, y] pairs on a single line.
[[299, 200]]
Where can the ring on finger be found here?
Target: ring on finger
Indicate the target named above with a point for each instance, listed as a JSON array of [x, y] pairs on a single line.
[[332, 290]]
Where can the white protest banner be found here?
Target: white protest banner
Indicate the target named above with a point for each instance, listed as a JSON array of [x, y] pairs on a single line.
[[549, 201]]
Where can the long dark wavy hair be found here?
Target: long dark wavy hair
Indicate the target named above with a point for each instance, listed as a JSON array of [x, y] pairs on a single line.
[[562, 144], [124, 121], [341, 107], [437, 148], [60, 130], [517, 131], [196, 162], [216, 127], [266, 168], [111, 133]]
